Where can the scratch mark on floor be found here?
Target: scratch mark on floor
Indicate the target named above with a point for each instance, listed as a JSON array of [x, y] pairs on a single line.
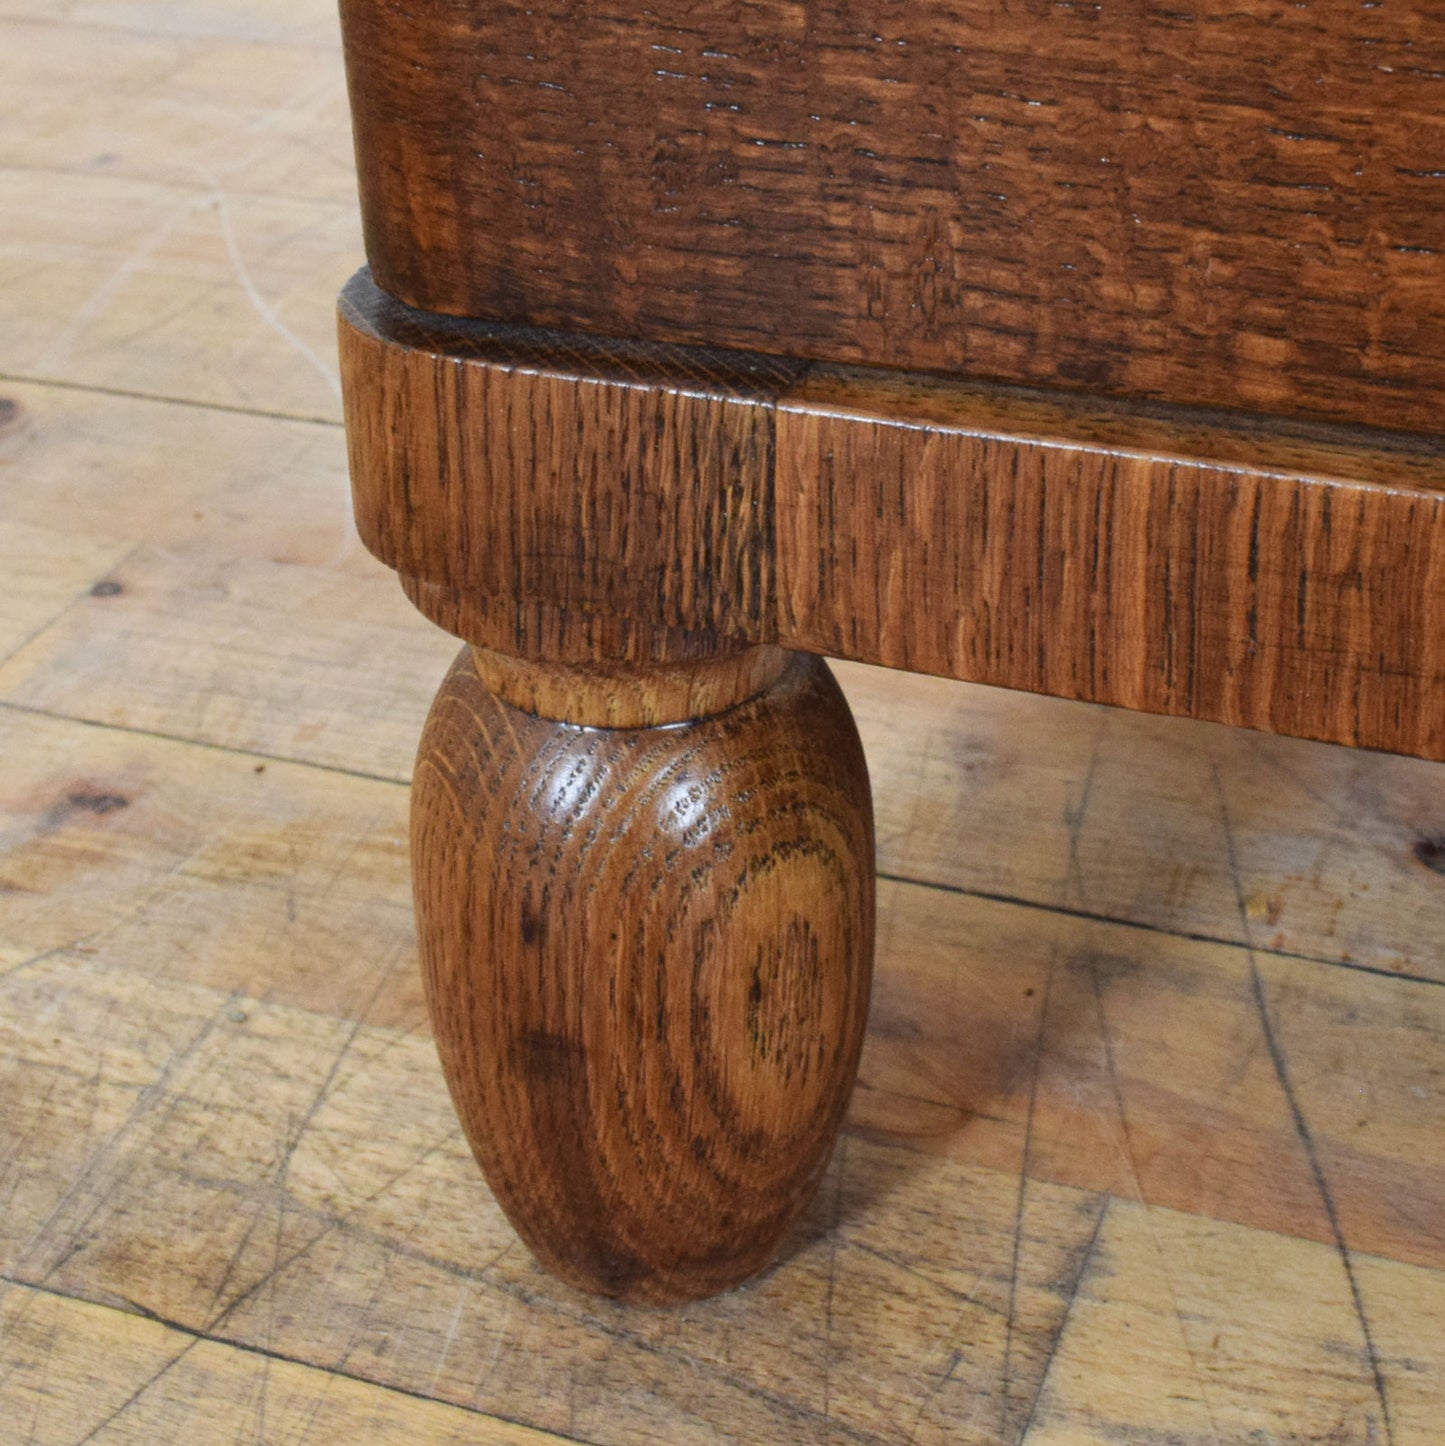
[[250, 1350], [58, 352], [1131, 1161], [312, 1417], [1301, 1124], [1021, 1203], [1327, 1199], [260, 305], [293, 1141], [235, 1259], [898, 1262], [1085, 1260], [339, 1223], [323, 1092], [16, 1161], [1074, 815], [832, 1281], [150, 1098], [803, 1418], [139, 1391], [954, 1361], [448, 1341]]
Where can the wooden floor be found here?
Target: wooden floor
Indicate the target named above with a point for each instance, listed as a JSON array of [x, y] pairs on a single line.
[[1150, 1140]]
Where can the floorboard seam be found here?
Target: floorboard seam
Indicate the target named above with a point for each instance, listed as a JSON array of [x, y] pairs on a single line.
[[60, 384], [1143, 926], [934, 885], [265, 1353]]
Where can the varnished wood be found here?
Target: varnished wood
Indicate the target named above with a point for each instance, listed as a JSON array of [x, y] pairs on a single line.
[[1293, 583], [219, 1104], [647, 954], [591, 475], [1288, 577], [639, 696], [1235, 207], [542, 631]]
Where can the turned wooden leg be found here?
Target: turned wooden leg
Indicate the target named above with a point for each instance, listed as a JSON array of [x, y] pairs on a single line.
[[642, 848], [646, 910]]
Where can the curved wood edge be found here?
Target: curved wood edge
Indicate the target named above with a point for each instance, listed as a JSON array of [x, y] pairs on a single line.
[[1282, 576], [594, 476], [647, 955], [640, 696]]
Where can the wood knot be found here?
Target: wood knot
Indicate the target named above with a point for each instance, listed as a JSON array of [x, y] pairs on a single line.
[[97, 803]]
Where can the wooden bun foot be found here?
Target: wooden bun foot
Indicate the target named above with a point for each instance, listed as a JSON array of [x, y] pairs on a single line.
[[647, 953]]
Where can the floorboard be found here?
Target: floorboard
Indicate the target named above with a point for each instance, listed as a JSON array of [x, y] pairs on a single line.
[[1149, 1142]]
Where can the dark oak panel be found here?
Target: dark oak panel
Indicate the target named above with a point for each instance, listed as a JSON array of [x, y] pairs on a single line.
[[1294, 584], [605, 476], [1288, 577], [1238, 206]]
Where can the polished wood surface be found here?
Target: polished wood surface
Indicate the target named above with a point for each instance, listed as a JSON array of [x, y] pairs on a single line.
[[647, 953], [1195, 567], [1289, 577], [593, 475], [184, 603], [625, 692], [223, 1105], [1236, 206]]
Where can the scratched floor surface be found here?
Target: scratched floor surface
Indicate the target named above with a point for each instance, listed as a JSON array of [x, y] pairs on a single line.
[[1149, 1144]]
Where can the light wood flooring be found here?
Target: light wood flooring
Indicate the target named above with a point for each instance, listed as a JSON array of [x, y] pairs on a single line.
[[1149, 1145]]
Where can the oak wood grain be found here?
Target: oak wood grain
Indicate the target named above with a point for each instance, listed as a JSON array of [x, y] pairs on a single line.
[[1292, 584], [294, 1182], [647, 953], [605, 476], [182, 865], [1237, 207], [539, 630], [1288, 577], [1049, 802], [639, 696]]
